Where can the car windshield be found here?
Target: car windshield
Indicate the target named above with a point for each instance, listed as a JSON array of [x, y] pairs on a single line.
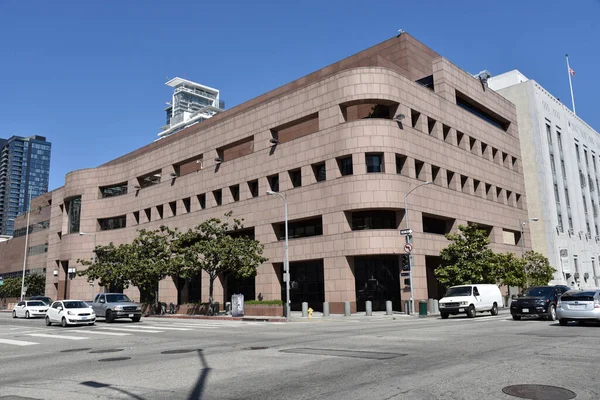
[[581, 296], [75, 304], [539, 292], [36, 303], [117, 298], [459, 291]]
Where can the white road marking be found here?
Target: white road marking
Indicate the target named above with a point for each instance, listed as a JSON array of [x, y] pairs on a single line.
[[101, 333], [170, 328], [46, 335], [16, 342], [130, 330], [187, 327]]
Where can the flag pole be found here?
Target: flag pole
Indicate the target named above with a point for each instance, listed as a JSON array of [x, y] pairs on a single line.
[[570, 83]]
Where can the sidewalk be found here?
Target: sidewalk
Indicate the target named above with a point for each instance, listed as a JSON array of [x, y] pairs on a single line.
[[218, 317]]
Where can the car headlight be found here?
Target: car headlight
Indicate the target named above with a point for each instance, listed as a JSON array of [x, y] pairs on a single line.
[[138, 308], [464, 303], [118, 308], [70, 313]]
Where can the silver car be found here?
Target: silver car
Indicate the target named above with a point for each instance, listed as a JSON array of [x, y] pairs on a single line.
[[578, 306]]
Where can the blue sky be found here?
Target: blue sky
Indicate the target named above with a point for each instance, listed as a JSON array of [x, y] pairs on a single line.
[[90, 75]]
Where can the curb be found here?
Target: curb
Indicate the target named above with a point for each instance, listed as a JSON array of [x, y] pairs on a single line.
[[220, 318]]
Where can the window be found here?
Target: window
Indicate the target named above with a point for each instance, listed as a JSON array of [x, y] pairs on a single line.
[[562, 167], [420, 171], [450, 179], [148, 213], [150, 179], [430, 125], [556, 198], [236, 149], [567, 197], [374, 162], [296, 129], [414, 116], [173, 207], [437, 224], [107, 224], [74, 214], [159, 211], [374, 219], [577, 152], [472, 143], [296, 177], [345, 165], [253, 187], [114, 190], [463, 182], [459, 138], [585, 156], [570, 223], [136, 216], [187, 204], [435, 174], [549, 135], [39, 249], [481, 111], [445, 132], [235, 192], [300, 229], [273, 182], [319, 171], [368, 108], [202, 200], [560, 222], [585, 204], [552, 166], [189, 166], [559, 140], [589, 231], [218, 195], [401, 165]]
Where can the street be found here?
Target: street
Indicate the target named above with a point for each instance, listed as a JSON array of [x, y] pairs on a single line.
[[359, 358]]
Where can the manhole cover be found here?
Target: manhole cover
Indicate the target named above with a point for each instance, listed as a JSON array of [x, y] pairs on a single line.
[[255, 348], [114, 359], [105, 351], [74, 350], [539, 392], [370, 355], [180, 351]]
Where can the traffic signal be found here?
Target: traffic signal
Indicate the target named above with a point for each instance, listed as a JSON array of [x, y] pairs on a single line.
[[405, 262], [407, 282]]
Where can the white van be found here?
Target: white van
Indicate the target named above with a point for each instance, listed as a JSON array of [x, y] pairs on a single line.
[[471, 299]]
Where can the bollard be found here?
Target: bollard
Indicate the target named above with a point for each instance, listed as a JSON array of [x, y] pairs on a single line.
[[430, 306], [304, 309], [388, 308], [407, 307], [369, 308], [347, 312], [436, 306], [326, 309]]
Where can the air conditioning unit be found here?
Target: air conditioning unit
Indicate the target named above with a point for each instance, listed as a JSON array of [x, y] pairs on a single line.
[[586, 276]]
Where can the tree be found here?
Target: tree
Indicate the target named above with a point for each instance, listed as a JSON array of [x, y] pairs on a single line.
[[11, 287], [510, 270], [209, 247], [109, 266], [538, 269], [36, 284], [467, 259]]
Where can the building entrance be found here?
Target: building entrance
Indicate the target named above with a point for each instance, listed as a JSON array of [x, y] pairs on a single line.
[[307, 284], [377, 279]]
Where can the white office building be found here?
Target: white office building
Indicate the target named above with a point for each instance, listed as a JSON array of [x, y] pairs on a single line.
[[191, 103], [561, 157]]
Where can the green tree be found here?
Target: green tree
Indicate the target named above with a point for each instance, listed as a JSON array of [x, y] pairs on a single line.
[[509, 270], [11, 288], [109, 266], [538, 269], [467, 259], [210, 247], [36, 284]]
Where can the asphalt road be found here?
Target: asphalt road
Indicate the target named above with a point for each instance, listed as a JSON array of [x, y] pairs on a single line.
[[360, 358]]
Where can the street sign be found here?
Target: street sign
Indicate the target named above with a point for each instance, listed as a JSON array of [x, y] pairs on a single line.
[[286, 276], [408, 248], [405, 274], [405, 232]]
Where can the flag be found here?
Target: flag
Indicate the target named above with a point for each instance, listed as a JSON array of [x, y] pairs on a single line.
[[571, 71]]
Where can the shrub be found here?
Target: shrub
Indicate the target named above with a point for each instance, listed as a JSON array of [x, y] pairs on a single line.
[[265, 302]]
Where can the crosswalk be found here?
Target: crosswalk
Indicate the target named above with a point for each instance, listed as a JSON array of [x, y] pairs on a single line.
[[31, 335]]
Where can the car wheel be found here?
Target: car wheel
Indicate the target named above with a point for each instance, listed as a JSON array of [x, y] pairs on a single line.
[[494, 310], [552, 313], [445, 315], [14, 314], [26, 314], [471, 312], [563, 322], [92, 324], [516, 317], [48, 323], [136, 319], [109, 317], [63, 323]]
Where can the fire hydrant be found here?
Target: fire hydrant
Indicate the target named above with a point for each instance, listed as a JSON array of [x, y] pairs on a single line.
[[310, 311]]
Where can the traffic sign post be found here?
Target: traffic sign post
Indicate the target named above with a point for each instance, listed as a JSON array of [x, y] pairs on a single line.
[[405, 232], [408, 248]]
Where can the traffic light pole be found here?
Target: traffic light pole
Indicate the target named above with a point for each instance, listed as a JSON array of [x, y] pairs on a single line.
[[410, 259]]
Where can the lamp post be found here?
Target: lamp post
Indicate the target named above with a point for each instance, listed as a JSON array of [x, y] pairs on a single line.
[[286, 266], [26, 243], [95, 256], [408, 240], [522, 225]]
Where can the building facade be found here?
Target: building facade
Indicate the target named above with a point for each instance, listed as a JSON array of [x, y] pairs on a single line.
[[561, 157], [24, 171], [344, 144]]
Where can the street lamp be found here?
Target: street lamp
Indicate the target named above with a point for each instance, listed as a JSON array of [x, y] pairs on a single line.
[[522, 225], [286, 266], [95, 256], [26, 243], [408, 240]]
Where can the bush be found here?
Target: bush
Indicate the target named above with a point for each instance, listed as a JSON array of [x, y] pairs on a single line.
[[265, 302]]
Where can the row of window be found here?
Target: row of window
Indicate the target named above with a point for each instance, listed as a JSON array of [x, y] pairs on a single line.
[[39, 249], [37, 227]]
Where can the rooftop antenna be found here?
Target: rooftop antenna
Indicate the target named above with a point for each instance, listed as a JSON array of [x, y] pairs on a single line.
[[400, 32]]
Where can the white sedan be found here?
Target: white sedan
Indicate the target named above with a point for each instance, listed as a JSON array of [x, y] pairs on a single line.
[[30, 309], [70, 312]]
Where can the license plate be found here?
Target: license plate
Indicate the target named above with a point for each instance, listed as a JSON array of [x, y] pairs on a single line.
[[130, 315], [83, 318], [461, 309], [526, 310], [578, 307]]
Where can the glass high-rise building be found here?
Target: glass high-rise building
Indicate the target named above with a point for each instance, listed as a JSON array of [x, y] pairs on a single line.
[[24, 168]]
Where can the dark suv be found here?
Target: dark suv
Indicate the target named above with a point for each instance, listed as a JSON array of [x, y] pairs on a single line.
[[45, 299], [537, 301]]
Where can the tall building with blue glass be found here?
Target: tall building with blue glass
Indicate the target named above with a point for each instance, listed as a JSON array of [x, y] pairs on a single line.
[[24, 168]]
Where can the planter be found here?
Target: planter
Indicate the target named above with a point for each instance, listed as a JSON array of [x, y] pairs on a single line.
[[263, 310]]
